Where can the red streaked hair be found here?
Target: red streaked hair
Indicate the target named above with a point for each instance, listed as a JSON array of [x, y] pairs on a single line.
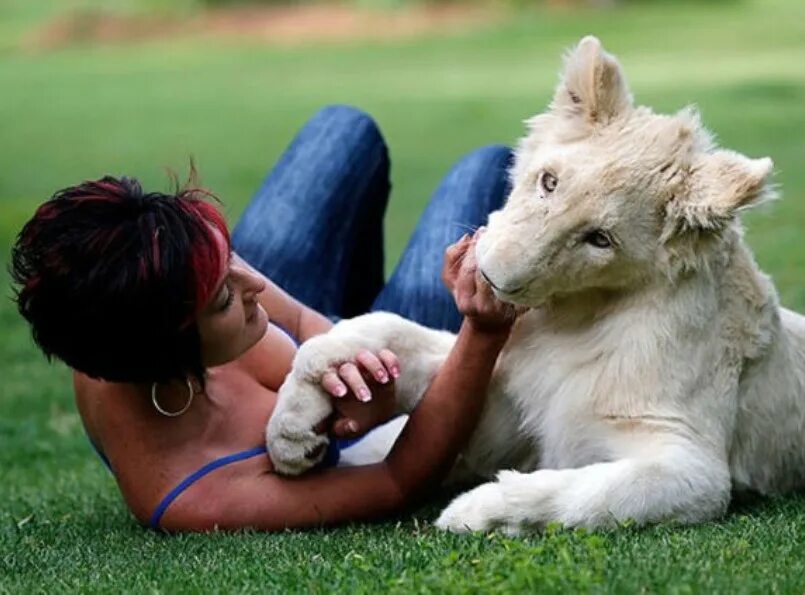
[[207, 259], [111, 278]]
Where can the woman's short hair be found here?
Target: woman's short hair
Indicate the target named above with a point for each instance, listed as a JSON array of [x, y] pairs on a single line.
[[111, 278]]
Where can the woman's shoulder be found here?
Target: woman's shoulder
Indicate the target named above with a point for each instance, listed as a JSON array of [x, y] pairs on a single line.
[[91, 394], [151, 454]]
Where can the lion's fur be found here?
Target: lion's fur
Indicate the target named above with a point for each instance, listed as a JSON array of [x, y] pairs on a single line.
[[649, 379]]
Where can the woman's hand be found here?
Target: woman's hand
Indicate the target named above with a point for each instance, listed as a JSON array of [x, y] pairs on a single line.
[[473, 295], [351, 376], [354, 418], [363, 391]]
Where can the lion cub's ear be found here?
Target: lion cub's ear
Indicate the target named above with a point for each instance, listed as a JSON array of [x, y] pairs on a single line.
[[593, 86], [721, 183]]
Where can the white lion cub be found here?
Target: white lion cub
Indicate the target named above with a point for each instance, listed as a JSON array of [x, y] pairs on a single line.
[[656, 370]]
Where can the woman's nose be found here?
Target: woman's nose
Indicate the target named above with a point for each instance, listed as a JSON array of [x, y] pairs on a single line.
[[253, 284]]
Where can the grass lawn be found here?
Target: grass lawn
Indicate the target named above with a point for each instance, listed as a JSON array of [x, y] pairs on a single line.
[[81, 112]]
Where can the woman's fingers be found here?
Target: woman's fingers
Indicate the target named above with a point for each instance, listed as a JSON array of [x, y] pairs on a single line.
[[372, 364], [453, 256], [485, 302], [380, 409], [465, 286], [474, 296], [350, 374], [455, 251], [345, 427], [391, 362], [483, 294], [333, 385]]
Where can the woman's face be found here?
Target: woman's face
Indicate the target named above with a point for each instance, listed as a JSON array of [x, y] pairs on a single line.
[[232, 321]]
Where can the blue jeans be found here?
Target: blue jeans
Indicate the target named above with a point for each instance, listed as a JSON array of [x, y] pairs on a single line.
[[315, 226]]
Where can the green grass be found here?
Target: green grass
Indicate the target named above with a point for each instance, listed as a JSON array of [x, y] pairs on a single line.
[[85, 111]]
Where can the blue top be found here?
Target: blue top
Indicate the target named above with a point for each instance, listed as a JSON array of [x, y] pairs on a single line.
[[330, 460], [156, 517]]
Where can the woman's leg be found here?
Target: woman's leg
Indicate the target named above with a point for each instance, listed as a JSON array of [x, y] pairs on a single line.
[[318, 215], [477, 185]]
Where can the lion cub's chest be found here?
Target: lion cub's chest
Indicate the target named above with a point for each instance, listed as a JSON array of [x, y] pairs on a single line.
[[569, 386]]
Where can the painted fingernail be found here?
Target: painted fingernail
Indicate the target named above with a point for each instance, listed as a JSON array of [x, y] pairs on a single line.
[[340, 390], [395, 371], [382, 377], [364, 395], [352, 426]]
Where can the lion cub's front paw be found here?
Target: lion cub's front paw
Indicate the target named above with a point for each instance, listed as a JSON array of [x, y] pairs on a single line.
[[479, 509], [293, 445], [294, 449]]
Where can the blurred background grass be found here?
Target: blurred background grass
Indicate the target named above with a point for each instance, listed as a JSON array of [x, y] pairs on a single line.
[[89, 87]]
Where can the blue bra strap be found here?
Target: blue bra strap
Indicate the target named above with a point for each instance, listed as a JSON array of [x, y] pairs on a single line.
[[331, 458], [194, 477]]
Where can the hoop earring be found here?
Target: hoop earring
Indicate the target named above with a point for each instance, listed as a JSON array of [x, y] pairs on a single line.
[[158, 407]]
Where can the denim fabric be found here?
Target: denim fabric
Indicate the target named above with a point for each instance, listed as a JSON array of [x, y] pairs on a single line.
[[315, 226]]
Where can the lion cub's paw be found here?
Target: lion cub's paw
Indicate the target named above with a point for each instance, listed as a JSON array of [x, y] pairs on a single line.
[[294, 452], [292, 442], [480, 509]]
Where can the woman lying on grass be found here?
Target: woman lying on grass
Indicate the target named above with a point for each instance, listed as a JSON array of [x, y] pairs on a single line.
[[180, 341]]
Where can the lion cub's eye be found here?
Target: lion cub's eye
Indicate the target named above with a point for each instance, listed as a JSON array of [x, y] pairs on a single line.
[[598, 238], [548, 182]]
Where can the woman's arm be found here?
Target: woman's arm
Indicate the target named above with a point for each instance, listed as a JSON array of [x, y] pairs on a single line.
[[424, 452], [426, 449]]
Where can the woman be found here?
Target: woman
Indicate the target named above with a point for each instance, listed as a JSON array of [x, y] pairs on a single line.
[[179, 340]]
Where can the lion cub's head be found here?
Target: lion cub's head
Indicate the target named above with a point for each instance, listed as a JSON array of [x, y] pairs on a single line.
[[607, 195]]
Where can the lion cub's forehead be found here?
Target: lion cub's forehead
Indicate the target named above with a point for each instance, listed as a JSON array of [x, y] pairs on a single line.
[[658, 138], [636, 148]]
